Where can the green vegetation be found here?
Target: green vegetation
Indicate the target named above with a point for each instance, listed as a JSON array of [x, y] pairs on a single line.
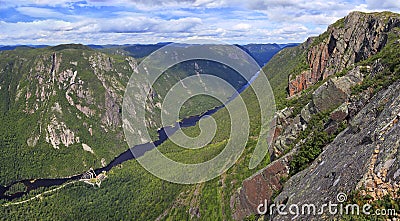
[[389, 57], [130, 192], [71, 46], [197, 104], [16, 188], [138, 195], [300, 67], [339, 23], [315, 139], [321, 38], [280, 67]]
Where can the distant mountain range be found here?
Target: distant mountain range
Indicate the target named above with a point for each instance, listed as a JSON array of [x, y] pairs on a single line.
[[262, 53]]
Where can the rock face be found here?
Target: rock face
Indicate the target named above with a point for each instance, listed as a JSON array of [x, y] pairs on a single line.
[[68, 100], [336, 90], [79, 92], [350, 40], [287, 129], [261, 186], [332, 94], [366, 156], [267, 182], [58, 133], [301, 82]]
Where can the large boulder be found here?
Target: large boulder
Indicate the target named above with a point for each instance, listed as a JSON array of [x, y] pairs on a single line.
[[336, 90]]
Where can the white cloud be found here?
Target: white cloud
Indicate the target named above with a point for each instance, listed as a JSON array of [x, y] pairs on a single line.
[[144, 24], [318, 12], [95, 30], [38, 12], [150, 21], [39, 3], [241, 27]]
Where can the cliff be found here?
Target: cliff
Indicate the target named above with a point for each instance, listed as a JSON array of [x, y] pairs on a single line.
[[364, 157], [346, 42], [60, 100]]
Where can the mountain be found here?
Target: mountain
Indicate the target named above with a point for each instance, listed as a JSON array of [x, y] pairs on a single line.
[[60, 109], [262, 53], [337, 131], [12, 47]]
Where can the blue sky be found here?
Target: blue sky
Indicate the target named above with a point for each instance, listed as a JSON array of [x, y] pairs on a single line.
[[151, 21]]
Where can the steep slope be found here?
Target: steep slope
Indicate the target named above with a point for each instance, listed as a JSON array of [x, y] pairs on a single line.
[[60, 110], [315, 117]]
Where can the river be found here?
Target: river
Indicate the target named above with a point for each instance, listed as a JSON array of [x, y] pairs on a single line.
[[139, 150]]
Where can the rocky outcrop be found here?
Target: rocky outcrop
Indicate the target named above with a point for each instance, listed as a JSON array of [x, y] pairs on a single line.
[[112, 114], [87, 148], [58, 133], [333, 96], [287, 128], [336, 90], [258, 188], [365, 156], [301, 82], [348, 41], [330, 95]]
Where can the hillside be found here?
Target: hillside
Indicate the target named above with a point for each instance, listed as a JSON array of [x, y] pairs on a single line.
[[59, 110], [338, 127]]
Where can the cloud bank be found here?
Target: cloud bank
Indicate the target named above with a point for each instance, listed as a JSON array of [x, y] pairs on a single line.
[[151, 21]]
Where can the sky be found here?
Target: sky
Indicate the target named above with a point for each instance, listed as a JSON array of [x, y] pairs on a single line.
[[54, 22]]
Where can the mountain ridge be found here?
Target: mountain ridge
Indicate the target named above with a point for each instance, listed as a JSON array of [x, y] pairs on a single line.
[[313, 121]]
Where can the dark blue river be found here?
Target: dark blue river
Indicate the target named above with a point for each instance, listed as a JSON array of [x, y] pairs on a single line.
[[139, 150]]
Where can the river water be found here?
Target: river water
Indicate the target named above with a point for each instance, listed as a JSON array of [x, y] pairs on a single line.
[[139, 150]]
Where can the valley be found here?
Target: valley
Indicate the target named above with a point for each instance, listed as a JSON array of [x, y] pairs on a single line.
[[337, 130]]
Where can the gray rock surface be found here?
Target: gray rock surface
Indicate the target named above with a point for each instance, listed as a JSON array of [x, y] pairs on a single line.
[[364, 155]]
